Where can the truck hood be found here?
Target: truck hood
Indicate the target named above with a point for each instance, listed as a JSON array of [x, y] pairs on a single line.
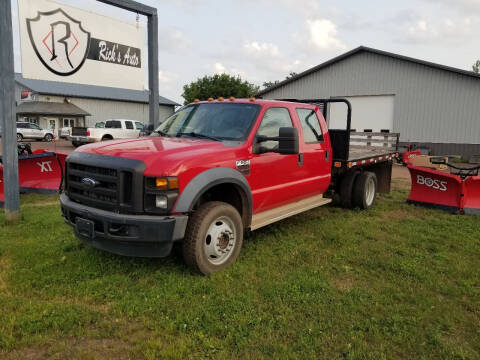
[[161, 152]]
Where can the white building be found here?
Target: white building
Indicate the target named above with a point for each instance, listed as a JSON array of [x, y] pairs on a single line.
[[52, 104]]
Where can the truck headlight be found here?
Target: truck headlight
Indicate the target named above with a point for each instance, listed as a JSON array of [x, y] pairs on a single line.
[[160, 194], [161, 202]]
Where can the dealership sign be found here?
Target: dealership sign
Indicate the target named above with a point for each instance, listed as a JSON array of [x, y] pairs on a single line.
[[63, 43]]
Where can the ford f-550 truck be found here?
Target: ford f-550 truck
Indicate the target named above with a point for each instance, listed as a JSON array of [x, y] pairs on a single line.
[[216, 169]]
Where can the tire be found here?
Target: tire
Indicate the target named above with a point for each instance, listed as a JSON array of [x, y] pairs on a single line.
[[106, 138], [76, 144], [48, 137], [19, 137], [201, 251], [346, 189], [365, 190]]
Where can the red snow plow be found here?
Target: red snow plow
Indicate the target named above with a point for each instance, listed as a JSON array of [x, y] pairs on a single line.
[[39, 171], [457, 191]]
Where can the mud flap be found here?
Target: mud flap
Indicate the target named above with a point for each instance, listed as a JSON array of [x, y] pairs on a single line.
[[39, 172], [436, 189]]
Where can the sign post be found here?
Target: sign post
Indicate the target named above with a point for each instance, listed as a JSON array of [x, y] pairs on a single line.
[[7, 116], [152, 16]]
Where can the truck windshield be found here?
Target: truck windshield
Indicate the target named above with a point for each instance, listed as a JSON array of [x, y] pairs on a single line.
[[219, 121]]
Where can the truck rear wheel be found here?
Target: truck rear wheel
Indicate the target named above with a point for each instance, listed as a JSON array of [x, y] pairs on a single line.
[[213, 237], [365, 190], [346, 189]]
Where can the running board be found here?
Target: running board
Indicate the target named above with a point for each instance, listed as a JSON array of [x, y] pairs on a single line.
[[270, 216]]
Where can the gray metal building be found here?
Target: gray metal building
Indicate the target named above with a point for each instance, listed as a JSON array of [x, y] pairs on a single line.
[[435, 106], [53, 104]]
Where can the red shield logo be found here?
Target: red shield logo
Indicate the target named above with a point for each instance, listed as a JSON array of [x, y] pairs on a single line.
[[59, 41]]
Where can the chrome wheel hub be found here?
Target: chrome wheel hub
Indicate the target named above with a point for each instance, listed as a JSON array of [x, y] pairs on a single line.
[[220, 240]]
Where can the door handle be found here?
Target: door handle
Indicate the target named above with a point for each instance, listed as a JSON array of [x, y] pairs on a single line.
[[300, 159], [327, 155]]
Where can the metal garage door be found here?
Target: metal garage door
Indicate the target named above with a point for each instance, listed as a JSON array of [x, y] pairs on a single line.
[[368, 112]]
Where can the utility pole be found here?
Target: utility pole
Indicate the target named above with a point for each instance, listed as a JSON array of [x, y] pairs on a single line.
[[7, 116]]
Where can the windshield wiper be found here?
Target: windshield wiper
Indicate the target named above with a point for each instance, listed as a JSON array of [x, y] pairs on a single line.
[[201, 136]]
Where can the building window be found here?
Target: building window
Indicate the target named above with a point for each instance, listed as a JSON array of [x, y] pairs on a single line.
[[29, 119]]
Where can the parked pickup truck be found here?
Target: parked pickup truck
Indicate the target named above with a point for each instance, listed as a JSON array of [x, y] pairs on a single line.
[[216, 169], [115, 129]]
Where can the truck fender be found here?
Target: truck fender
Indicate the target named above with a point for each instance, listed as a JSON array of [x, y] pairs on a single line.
[[208, 179]]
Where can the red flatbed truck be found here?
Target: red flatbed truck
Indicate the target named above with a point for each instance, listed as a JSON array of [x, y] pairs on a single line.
[[216, 169]]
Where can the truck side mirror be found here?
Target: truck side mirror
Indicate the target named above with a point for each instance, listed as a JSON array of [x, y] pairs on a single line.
[[288, 141]]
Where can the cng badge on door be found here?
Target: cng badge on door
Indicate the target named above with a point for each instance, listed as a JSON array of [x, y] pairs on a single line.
[[243, 166]]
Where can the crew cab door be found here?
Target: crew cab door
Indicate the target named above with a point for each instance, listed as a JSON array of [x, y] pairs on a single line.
[[274, 178], [317, 157]]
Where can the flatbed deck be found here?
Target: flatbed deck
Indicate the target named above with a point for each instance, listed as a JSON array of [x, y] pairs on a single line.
[[363, 154]]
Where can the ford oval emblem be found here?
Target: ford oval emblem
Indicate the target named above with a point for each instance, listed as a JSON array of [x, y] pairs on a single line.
[[89, 182]]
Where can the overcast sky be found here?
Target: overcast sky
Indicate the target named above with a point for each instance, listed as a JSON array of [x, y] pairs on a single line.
[[264, 40]]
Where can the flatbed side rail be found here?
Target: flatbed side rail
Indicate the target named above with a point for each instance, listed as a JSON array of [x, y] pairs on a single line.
[[384, 142], [340, 138]]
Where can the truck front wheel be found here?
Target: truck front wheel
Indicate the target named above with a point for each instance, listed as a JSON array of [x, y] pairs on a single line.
[[213, 237], [365, 190]]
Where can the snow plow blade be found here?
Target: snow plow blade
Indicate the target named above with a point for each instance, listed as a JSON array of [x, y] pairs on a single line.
[[40, 172], [435, 189], [445, 191]]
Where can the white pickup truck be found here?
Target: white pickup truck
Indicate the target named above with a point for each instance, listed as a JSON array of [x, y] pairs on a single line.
[[114, 129]]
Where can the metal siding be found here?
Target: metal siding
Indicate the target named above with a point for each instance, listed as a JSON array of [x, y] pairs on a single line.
[[102, 110], [431, 105], [88, 91]]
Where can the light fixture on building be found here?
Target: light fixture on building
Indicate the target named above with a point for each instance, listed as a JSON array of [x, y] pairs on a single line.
[[138, 21]]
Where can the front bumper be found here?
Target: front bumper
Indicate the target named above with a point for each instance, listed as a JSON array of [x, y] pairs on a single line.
[[122, 234]]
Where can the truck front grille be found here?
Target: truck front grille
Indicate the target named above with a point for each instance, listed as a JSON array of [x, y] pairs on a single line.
[[105, 194], [105, 182]]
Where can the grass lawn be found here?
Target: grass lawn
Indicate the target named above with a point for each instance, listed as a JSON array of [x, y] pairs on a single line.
[[396, 282]]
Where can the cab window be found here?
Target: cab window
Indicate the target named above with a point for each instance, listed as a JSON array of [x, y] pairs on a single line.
[[129, 125], [139, 125], [312, 133], [273, 120], [113, 124]]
